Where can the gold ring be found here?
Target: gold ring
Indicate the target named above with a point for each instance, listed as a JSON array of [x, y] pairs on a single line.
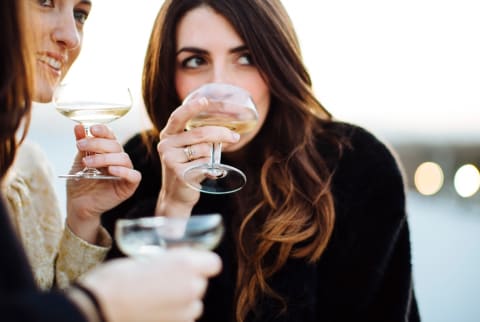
[[188, 152]]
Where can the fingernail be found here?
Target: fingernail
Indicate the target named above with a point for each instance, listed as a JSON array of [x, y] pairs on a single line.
[[235, 136], [203, 101], [81, 143], [95, 128]]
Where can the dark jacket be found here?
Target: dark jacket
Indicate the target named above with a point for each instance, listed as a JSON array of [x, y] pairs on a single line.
[[20, 300], [365, 273]]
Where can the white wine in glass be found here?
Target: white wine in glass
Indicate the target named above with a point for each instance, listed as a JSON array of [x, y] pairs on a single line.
[[231, 107], [88, 105], [147, 236]]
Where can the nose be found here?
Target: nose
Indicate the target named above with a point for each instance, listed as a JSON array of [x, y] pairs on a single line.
[[220, 74], [66, 33]]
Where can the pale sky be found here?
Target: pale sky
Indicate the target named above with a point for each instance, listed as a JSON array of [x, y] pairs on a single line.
[[408, 68]]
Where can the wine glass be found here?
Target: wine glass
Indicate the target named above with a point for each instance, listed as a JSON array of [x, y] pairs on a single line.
[[143, 237], [228, 106], [90, 104]]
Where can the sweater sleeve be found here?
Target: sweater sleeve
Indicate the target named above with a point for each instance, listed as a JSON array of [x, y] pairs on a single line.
[[55, 255], [76, 256]]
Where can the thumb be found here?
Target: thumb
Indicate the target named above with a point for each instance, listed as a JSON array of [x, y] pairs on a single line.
[[79, 131]]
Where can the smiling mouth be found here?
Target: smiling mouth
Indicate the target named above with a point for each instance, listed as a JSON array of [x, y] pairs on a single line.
[[50, 61]]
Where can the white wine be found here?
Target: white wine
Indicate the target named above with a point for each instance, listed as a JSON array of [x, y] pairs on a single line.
[[227, 106], [93, 113], [228, 121]]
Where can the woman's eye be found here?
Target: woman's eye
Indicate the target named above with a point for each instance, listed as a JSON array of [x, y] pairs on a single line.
[[245, 59], [80, 16], [193, 62], [46, 3]]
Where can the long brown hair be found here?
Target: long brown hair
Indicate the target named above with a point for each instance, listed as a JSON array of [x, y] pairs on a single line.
[[292, 215], [15, 81]]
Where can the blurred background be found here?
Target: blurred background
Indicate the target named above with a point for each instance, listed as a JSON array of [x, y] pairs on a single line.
[[409, 71]]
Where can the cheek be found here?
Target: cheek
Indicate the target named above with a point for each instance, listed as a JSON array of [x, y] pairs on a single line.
[[184, 85], [263, 106], [261, 97], [72, 57]]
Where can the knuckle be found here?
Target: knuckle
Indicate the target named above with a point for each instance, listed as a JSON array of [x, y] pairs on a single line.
[[194, 309], [167, 159], [162, 146], [125, 158], [178, 171], [174, 119], [101, 158]]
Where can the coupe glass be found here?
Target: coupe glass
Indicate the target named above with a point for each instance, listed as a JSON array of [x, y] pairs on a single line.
[[228, 106], [90, 104], [147, 236]]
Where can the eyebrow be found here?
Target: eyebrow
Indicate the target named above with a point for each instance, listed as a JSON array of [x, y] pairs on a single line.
[[200, 51]]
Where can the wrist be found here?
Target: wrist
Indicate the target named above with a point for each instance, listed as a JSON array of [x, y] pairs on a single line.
[[171, 208], [85, 228]]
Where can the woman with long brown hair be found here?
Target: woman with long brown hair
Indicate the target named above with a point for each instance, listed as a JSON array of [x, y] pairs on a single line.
[[120, 291], [59, 250], [15, 101], [319, 231]]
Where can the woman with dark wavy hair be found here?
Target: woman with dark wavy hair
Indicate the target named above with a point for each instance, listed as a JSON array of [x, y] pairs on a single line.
[[319, 232]]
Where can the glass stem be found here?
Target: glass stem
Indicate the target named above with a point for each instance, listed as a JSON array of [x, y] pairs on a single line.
[[215, 153], [88, 170]]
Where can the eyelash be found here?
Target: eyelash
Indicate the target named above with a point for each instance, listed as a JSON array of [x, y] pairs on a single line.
[[80, 15], [43, 3], [200, 61], [248, 56], [197, 59]]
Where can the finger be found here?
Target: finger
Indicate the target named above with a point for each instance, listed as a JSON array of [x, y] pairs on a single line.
[[99, 145], [209, 134], [204, 135], [79, 131], [108, 159], [178, 119], [102, 131], [193, 310], [205, 263], [183, 154], [131, 175]]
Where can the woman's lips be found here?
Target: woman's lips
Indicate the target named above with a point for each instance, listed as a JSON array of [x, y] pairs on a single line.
[[53, 63]]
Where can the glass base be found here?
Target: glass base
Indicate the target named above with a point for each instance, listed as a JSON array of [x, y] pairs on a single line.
[[90, 174], [215, 179]]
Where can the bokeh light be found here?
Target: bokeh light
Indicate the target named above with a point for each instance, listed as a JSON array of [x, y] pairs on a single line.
[[467, 180], [428, 178]]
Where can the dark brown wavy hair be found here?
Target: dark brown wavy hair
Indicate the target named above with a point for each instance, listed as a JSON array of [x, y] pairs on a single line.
[[292, 215], [15, 81]]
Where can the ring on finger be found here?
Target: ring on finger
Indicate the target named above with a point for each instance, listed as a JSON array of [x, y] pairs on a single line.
[[189, 153]]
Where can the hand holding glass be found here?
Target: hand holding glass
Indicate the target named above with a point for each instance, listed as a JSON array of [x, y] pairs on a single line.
[[228, 106], [143, 237], [88, 104]]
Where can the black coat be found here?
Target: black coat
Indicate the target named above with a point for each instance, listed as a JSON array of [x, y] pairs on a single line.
[[365, 273], [20, 300]]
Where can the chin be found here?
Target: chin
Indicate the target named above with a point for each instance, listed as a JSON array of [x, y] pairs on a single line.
[[43, 95]]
